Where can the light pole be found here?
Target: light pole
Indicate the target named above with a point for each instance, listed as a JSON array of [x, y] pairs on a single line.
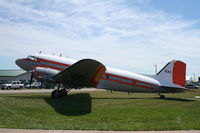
[[156, 67], [194, 77]]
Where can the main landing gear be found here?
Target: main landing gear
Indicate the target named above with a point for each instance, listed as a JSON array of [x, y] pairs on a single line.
[[59, 92], [161, 96]]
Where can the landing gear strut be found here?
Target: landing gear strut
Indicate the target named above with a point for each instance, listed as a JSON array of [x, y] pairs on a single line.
[[161, 96], [59, 93], [55, 94]]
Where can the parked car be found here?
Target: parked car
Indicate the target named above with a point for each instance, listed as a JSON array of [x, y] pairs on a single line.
[[33, 85], [13, 85], [192, 86]]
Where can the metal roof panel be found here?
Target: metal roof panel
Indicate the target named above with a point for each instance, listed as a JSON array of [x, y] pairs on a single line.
[[11, 72]]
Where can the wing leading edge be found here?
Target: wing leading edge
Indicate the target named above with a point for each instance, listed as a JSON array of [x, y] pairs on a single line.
[[84, 73]]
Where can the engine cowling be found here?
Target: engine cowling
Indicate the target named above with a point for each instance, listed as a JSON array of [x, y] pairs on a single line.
[[45, 74]]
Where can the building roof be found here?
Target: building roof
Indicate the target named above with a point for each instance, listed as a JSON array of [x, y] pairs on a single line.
[[11, 72]]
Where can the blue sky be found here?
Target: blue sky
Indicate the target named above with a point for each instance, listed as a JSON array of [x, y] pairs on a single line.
[[188, 9], [127, 34]]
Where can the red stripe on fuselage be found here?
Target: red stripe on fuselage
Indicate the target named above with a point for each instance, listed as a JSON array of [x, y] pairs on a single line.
[[53, 62], [52, 67], [122, 82], [133, 81]]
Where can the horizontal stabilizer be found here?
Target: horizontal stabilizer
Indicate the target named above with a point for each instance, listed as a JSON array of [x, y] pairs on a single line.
[[175, 90]]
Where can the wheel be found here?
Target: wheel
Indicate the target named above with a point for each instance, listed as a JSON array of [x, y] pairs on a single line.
[[162, 96], [8, 88], [55, 94], [63, 92], [20, 87]]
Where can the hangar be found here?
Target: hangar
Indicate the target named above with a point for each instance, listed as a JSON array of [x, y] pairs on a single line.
[[7, 75]]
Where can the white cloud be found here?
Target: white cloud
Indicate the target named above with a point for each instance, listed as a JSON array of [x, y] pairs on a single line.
[[118, 33]]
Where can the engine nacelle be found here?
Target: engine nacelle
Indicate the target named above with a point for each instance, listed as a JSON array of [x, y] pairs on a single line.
[[44, 73]]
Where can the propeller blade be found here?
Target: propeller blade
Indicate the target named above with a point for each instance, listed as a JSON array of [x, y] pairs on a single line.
[[31, 79]]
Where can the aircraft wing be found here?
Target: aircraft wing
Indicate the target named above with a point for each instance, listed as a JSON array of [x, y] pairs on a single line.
[[84, 73]]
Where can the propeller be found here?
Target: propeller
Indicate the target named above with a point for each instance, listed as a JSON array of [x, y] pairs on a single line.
[[31, 79]]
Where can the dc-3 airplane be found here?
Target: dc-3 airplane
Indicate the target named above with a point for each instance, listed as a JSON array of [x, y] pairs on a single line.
[[74, 74]]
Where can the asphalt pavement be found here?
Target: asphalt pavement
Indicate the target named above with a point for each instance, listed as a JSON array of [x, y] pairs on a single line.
[[41, 90], [84, 131]]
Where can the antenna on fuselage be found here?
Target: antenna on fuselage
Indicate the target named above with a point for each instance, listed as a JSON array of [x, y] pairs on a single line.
[[40, 52]]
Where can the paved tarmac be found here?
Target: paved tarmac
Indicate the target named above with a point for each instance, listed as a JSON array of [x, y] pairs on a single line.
[[41, 91], [84, 131]]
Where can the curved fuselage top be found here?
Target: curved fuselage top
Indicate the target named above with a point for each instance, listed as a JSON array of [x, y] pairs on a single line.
[[111, 74]]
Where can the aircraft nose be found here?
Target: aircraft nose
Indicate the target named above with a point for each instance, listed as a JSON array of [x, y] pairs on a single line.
[[22, 63], [18, 62]]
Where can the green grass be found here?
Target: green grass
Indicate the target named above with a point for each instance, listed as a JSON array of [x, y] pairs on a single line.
[[100, 111]]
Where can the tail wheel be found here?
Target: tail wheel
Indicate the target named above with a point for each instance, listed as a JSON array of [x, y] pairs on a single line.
[[162, 97], [55, 94]]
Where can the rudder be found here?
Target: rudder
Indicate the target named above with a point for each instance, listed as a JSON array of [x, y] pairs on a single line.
[[179, 73], [173, 74]]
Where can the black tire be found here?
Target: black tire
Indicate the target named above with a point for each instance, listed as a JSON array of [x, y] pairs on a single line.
[[21, 87], [8, 88], [55, 94], [63, 92], [162, 97]]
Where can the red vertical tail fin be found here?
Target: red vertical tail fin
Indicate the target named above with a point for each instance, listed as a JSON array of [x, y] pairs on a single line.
[[179, 73], [173, 74]]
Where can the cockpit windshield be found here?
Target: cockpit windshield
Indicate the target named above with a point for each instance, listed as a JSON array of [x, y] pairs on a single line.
[[31, 58]]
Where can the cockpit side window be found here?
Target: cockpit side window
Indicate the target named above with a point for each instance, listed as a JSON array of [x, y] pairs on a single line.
[[32, 58]]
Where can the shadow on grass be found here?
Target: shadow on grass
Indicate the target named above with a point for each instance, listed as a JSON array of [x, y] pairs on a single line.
[[71, 105], [120, 98], [167, 98], [178, 99]]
